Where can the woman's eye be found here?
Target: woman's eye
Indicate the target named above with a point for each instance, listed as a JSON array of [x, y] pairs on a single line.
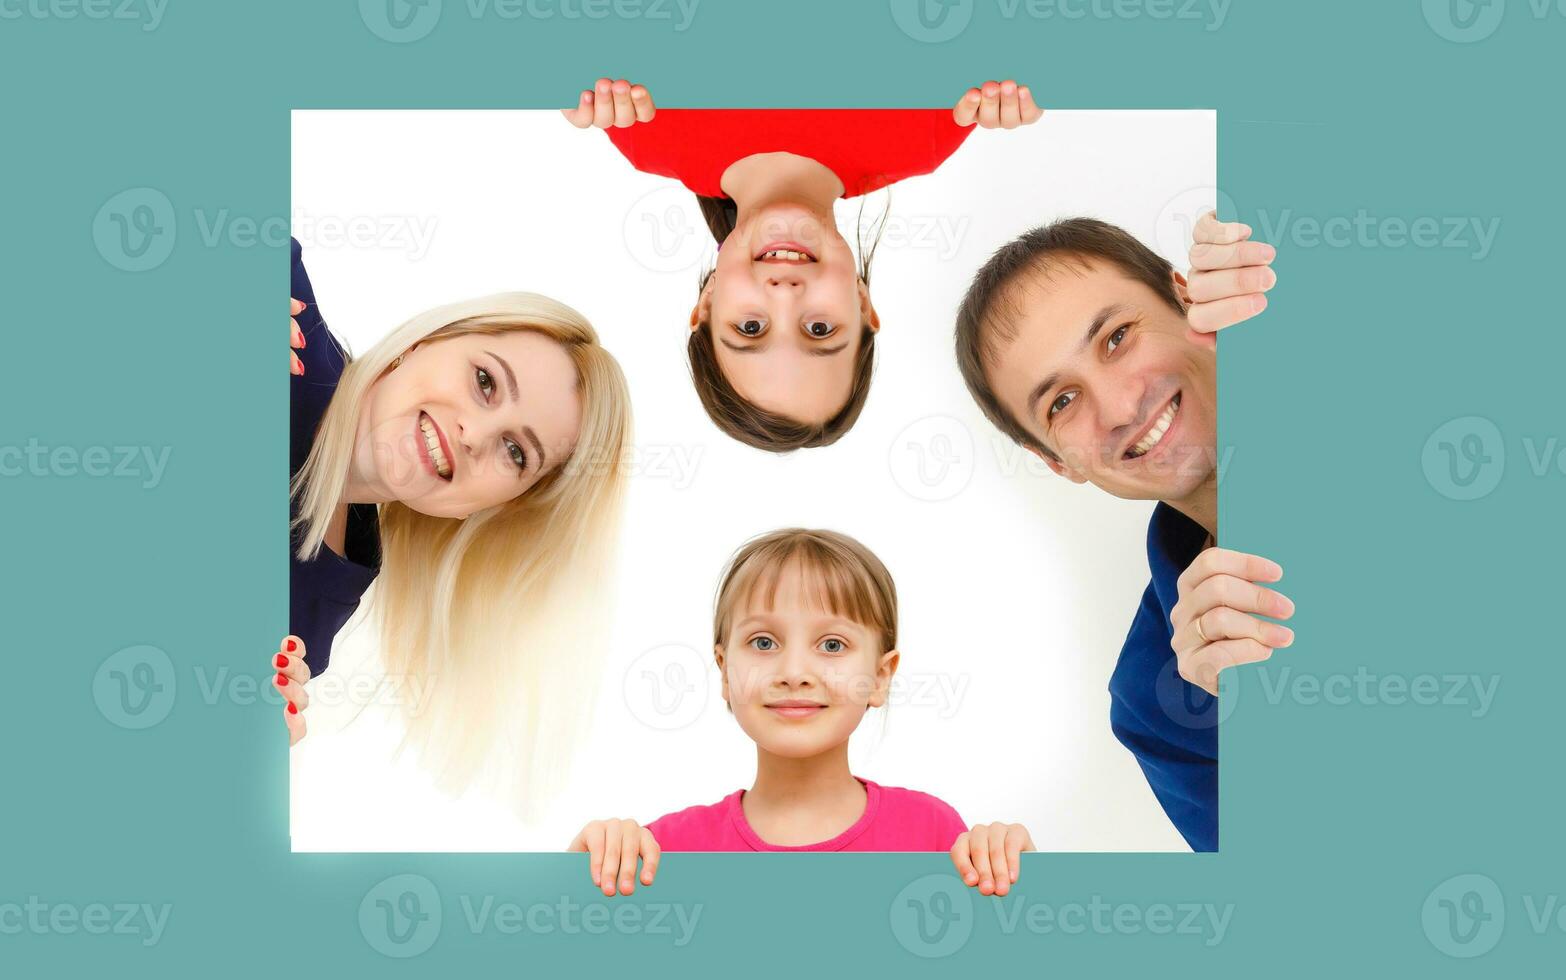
[[1115, 339], [819, 329], [517, 455], [751, 328], [1059, 405], [485, 382], [833, 645], [764, 643]]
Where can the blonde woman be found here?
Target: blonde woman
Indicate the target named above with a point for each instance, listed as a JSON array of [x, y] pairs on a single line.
[[470, 465]]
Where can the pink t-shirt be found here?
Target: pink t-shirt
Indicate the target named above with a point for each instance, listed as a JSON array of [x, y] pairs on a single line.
[[894, 820]]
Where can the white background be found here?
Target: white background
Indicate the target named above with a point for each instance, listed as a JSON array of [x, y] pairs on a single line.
[[1016, 587]]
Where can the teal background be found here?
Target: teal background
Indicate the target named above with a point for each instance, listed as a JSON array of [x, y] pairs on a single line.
[[1340, 820]]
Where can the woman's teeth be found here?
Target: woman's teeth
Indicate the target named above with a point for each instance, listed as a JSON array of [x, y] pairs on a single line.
[[787, 255], [1155, 435], [432, 446]]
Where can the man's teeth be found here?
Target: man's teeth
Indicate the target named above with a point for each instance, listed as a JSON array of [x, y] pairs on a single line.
[[788, 255], [1155, 435], [432, 446]]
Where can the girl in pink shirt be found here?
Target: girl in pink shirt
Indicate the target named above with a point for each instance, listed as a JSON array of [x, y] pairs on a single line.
[[805, 639]]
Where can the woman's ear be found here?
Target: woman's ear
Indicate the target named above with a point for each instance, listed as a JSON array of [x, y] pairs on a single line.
[[867, 313], [883, 678]]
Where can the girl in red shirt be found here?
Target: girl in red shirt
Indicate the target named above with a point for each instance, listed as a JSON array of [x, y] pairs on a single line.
[[783, 331]]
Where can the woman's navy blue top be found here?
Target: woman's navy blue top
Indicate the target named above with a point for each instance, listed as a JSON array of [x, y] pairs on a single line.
[[324, 591], [1169, 724]]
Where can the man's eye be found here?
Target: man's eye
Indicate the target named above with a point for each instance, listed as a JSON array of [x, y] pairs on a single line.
[[1059, 405], [833, 645], [751, 328], [485, 382], [764, 643], [819, 329], [1115, 339], [518, 456]]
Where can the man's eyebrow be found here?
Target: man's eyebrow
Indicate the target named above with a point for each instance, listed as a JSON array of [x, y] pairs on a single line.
[[511, 377], [828, 351], [1042, 388], [752, 349]]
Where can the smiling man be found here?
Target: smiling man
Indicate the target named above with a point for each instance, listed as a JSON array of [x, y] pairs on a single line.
[[1092, 352]]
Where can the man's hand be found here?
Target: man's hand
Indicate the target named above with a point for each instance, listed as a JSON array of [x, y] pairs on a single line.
[[611, 103], [1230, 276], [1214, 625]]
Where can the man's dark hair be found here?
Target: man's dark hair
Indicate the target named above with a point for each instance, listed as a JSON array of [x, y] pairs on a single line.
[[987, 317]]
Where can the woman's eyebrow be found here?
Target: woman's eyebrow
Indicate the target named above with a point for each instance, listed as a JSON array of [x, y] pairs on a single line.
[[828, 351], [511, 377], [736, 348]]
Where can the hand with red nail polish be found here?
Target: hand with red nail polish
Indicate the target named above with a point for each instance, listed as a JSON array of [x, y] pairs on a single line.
[[611, 102], [291, 674], [296, 339], [989, 857]]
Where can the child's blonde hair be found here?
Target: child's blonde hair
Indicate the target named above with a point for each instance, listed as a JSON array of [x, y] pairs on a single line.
[[844, 577], [501, 612]]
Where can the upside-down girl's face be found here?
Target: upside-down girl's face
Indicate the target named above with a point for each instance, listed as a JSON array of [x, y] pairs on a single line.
[[469, 422], [799, 677], [787, 308]]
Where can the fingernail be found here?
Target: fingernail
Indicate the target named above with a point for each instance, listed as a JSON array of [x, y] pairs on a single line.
[[282, 681], [293, 709], [294, 367], [1272, 279], [281, 661], [1269, 253], [291, 646], [1258, 303]]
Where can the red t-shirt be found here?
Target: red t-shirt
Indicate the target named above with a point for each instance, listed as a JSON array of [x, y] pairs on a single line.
[[867, 148], [894, 820]]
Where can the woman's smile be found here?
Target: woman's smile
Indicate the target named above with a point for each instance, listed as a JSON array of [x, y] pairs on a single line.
[[437, 456]]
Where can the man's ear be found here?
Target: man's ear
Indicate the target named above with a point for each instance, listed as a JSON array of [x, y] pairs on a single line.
[[867, 313], [1058, 466], [883, 678], [1182, 289]]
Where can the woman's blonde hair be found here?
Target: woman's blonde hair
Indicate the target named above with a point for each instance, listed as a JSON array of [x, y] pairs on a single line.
[[843, 576], [500, 615]]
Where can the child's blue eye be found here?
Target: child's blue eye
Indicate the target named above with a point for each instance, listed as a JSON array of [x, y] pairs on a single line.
[[833, 645], [764, 643]]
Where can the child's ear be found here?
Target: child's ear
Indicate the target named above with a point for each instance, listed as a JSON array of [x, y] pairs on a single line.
[[723, 675], [1058, 466], [883, 678], [702, 311], [867, 313]]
